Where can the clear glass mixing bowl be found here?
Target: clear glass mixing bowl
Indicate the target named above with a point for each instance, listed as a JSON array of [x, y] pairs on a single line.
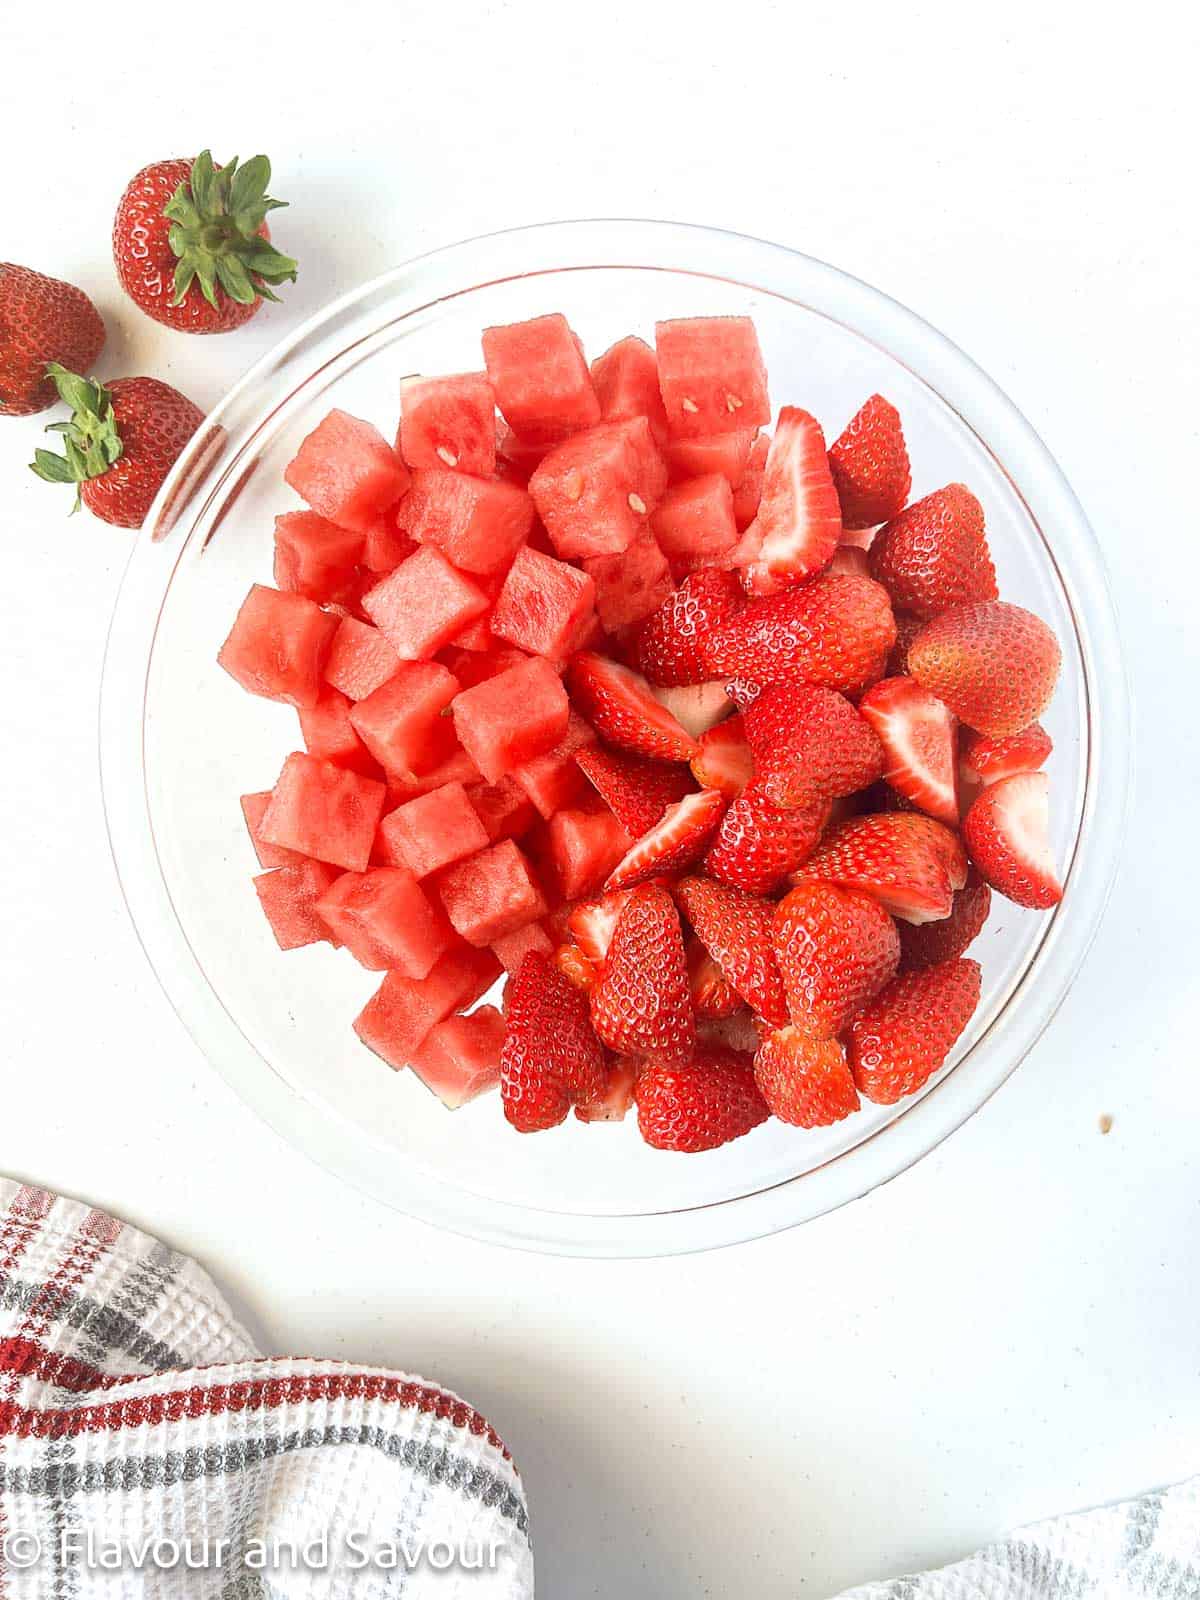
[[180, 741]]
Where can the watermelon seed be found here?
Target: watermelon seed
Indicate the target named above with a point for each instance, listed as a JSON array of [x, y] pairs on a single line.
[[637, 504], [688, 404], [447, 456], [732, 402], [573, 484]]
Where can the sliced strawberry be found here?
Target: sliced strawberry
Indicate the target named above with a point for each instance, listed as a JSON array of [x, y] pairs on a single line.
[[616, 1097], [984, 760], [635, 790], [805, 1081], [591, 923], [901, 1039], [935, 555], [919, 735], [724, 760], [994, 664], [621, 707], [1007, 833], [799, 521], [669, 646], [836, 948], [641, 1003], [550, 1058], [575, 967], [675, 841], [695, 706], [737, 929], [911, 864], [810, 744], [927, 943], [869, 462], [699, 1106], [759, 843], [713, 995]]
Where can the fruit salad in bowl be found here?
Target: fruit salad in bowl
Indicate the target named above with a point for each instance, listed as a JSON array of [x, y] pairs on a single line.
[[672, 732]]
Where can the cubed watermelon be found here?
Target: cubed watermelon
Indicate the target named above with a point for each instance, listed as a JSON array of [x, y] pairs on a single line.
[[504, 808], [726, 453], [269, 855], [399, 1016], [386, 921], [457, 768], [479, 524], [625, 379], [544, 607], [594, 491], [540, 378], [278, 645], [748, 493], [554, 780], [475, 666], [460, 1058], [512, 717], [510, 949], [433, 830], [449, 422], [694, 523], [324, 811], [346, 470], [583, 845], [402, 722], [289, 898], [711, 375], [632, 585], [330, 735], [491, 894], [313, 556], [360, 659], [385, 544], [422, 604]]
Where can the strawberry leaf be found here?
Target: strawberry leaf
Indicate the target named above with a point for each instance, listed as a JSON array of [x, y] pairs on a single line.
[[215, 220]]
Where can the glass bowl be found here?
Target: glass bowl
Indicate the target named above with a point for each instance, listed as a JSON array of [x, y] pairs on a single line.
[[180, 741]]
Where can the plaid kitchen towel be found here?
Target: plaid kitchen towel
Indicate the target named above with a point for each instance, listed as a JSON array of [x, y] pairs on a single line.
[[147, 1449]]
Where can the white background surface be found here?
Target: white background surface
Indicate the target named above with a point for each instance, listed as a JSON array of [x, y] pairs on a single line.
[[1006, 1331]]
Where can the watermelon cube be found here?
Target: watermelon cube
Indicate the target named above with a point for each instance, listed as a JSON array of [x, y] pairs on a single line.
[[433, 830], [510, 949], [422, 604], [726, 453], [594, 491], [449, 422], [479, 524], [314, 557], [509, 719], [694, 523], [554, 780], [491, 894], [402, 722], [324, 811], [269, 855], [289, 900], [474, 666], [748, 493], [278, 645], [457, 768], [385, 544], [582, 846], [346, 470], [360, 659], [625, 379], [330, 735], [540, 378], [544, 607], [504, 808], [386, 921], [711, 375], [632, 585], [460, 1058], [399, 1016]]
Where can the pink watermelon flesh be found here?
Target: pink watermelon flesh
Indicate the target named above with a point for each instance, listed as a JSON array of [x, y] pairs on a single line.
[[694, 523], [515, 458], [460, 1058], [346, 470], [711, 376], [510, 949], [269, 855], [553, 780], [594, 491], [360, 659], [504, 808], [632, 585], [449, 422], [491, 894], [457, 768], [479, 524], [422, 604], [386, 921], [399, 1016], [625, 379], [330, 735], [314, 557], [748, 495], [289, 898], [433, 830], [584, 845], [544, 606], [324, 811], [476, 666], [386, 545], [402, 722], [540, 379], [511, 718], [726, 453], [278, 645]]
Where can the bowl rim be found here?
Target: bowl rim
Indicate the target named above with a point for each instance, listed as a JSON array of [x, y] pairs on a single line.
[[205, 468]]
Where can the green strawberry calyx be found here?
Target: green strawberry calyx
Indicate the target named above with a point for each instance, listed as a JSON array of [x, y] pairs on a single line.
[[215, 215], [91, 439]]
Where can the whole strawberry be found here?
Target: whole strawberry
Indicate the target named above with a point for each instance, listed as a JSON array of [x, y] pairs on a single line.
[[642, 1002], [935, 555], [191, 243], [901, 1039], [550, 1059], [41, 320], [869, 462], [120, 443], [836, 948], [701, 1105], [804, 1080]]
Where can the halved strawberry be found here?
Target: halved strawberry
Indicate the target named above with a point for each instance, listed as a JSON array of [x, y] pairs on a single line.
[[550, 1058], [736, 928], [985, 760], [641, 1004], [935, 555], [620, 706], [575, 967], [869, 462], [670, 642], [994, 664], [591, 923], [799, 520], [836, 948], [743, 1031], [699, 1106], [805, 1081], [759, 843], [1007, 832], [911, 864], [635, 790], [918, 734], [901, 1039], [809, 744], [724, 760], [926, 944], [712, 993], [674, 842], [616, 1097]]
